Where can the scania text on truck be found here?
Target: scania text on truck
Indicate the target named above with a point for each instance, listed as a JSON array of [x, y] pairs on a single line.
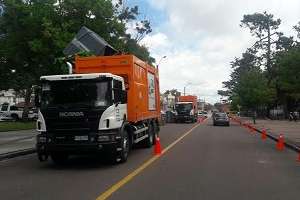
[[186, 109], [109, 104]]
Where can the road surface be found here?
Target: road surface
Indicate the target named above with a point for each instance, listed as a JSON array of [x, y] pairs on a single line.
[[17, 140], [208, 163]]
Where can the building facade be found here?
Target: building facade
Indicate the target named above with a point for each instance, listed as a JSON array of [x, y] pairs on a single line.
[[10, 96]]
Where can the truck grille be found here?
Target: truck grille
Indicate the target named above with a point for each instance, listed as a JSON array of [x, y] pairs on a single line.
[[72, 125]]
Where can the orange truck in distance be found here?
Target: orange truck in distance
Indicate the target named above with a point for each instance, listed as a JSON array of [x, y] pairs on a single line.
[[108, 104], [186, 109]]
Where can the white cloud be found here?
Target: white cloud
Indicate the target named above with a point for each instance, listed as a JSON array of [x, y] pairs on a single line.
[[156, 41], [200, 38]]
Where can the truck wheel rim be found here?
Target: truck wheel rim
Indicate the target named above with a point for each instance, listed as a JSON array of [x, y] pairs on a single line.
[[151, 138], [125, 145]]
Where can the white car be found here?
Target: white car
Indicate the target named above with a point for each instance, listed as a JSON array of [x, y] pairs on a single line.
[[11, 112], [205, 114]]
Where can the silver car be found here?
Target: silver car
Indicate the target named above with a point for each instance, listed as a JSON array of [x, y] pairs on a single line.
[[221, 119]]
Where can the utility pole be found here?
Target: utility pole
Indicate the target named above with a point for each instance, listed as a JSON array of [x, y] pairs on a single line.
[[185, 87]]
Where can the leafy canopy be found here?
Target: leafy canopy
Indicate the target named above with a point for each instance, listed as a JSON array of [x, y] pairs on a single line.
[[35, 32]]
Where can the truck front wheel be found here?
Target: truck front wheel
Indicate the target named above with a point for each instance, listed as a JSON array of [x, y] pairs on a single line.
[[122, 151]]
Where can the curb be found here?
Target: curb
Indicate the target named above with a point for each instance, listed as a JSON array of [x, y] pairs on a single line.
[[16, 140], [272, 137], [18, 153], [289, 145]]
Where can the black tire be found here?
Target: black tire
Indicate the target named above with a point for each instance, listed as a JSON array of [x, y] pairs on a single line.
[[120, 154], [59, 158], [194, 120], [15, 117], [42, 157], [156, 132], [149, 141]]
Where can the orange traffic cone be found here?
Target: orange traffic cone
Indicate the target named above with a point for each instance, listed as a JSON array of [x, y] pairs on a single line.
[[280, 143], [264, 134], [157, 148], [199, 120], [252, 130]]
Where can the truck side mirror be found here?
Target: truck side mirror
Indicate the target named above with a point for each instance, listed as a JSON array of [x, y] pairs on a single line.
[[37, 97]]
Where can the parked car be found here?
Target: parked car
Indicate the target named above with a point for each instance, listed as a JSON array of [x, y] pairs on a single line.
[[221, 119], [200, 113], [163, 117], [11, 112]]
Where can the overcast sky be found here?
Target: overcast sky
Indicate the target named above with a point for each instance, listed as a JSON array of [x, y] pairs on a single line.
[[201, 37]]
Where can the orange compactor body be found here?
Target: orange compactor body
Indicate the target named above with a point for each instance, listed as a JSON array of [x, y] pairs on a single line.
[[189, 98], [141, 82]]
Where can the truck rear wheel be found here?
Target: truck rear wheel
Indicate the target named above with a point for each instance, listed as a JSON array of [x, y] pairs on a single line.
[[194, 120], [15, 117], [151, 133]]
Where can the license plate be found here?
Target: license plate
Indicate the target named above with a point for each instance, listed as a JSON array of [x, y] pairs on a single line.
[[81, 138]]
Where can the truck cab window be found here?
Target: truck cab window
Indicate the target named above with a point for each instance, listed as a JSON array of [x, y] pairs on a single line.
[[4, 107], [117, 84], [118, 91], [14, 108]]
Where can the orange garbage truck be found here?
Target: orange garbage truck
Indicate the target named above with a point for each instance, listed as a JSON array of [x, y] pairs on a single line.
[[186, 109], [108, 104]]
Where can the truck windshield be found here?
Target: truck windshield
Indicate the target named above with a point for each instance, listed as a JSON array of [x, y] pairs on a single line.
[[76, 93], [184, 107]]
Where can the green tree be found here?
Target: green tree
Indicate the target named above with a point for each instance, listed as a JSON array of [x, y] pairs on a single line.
[[297, 29], [288, 63], [263, 26], [253, 90], [173, 92], [35, 32], [239, 66]]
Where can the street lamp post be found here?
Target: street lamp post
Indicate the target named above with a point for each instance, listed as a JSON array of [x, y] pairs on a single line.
[[185, 87], [160, 61]]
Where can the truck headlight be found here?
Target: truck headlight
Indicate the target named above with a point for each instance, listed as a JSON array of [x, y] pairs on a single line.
[[41, 139], [103, 138]]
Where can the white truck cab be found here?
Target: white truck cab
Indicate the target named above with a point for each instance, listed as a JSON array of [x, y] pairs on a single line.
[[80, 112]]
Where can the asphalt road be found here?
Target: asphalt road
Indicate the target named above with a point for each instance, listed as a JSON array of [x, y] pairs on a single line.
[[209, 163], [17, 140]]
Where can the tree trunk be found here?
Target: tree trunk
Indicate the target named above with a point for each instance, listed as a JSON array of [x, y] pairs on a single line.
[[28, 93], [269, 54]]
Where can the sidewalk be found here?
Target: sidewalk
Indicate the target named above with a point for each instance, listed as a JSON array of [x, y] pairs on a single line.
[[12, 141], [289, 129]]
